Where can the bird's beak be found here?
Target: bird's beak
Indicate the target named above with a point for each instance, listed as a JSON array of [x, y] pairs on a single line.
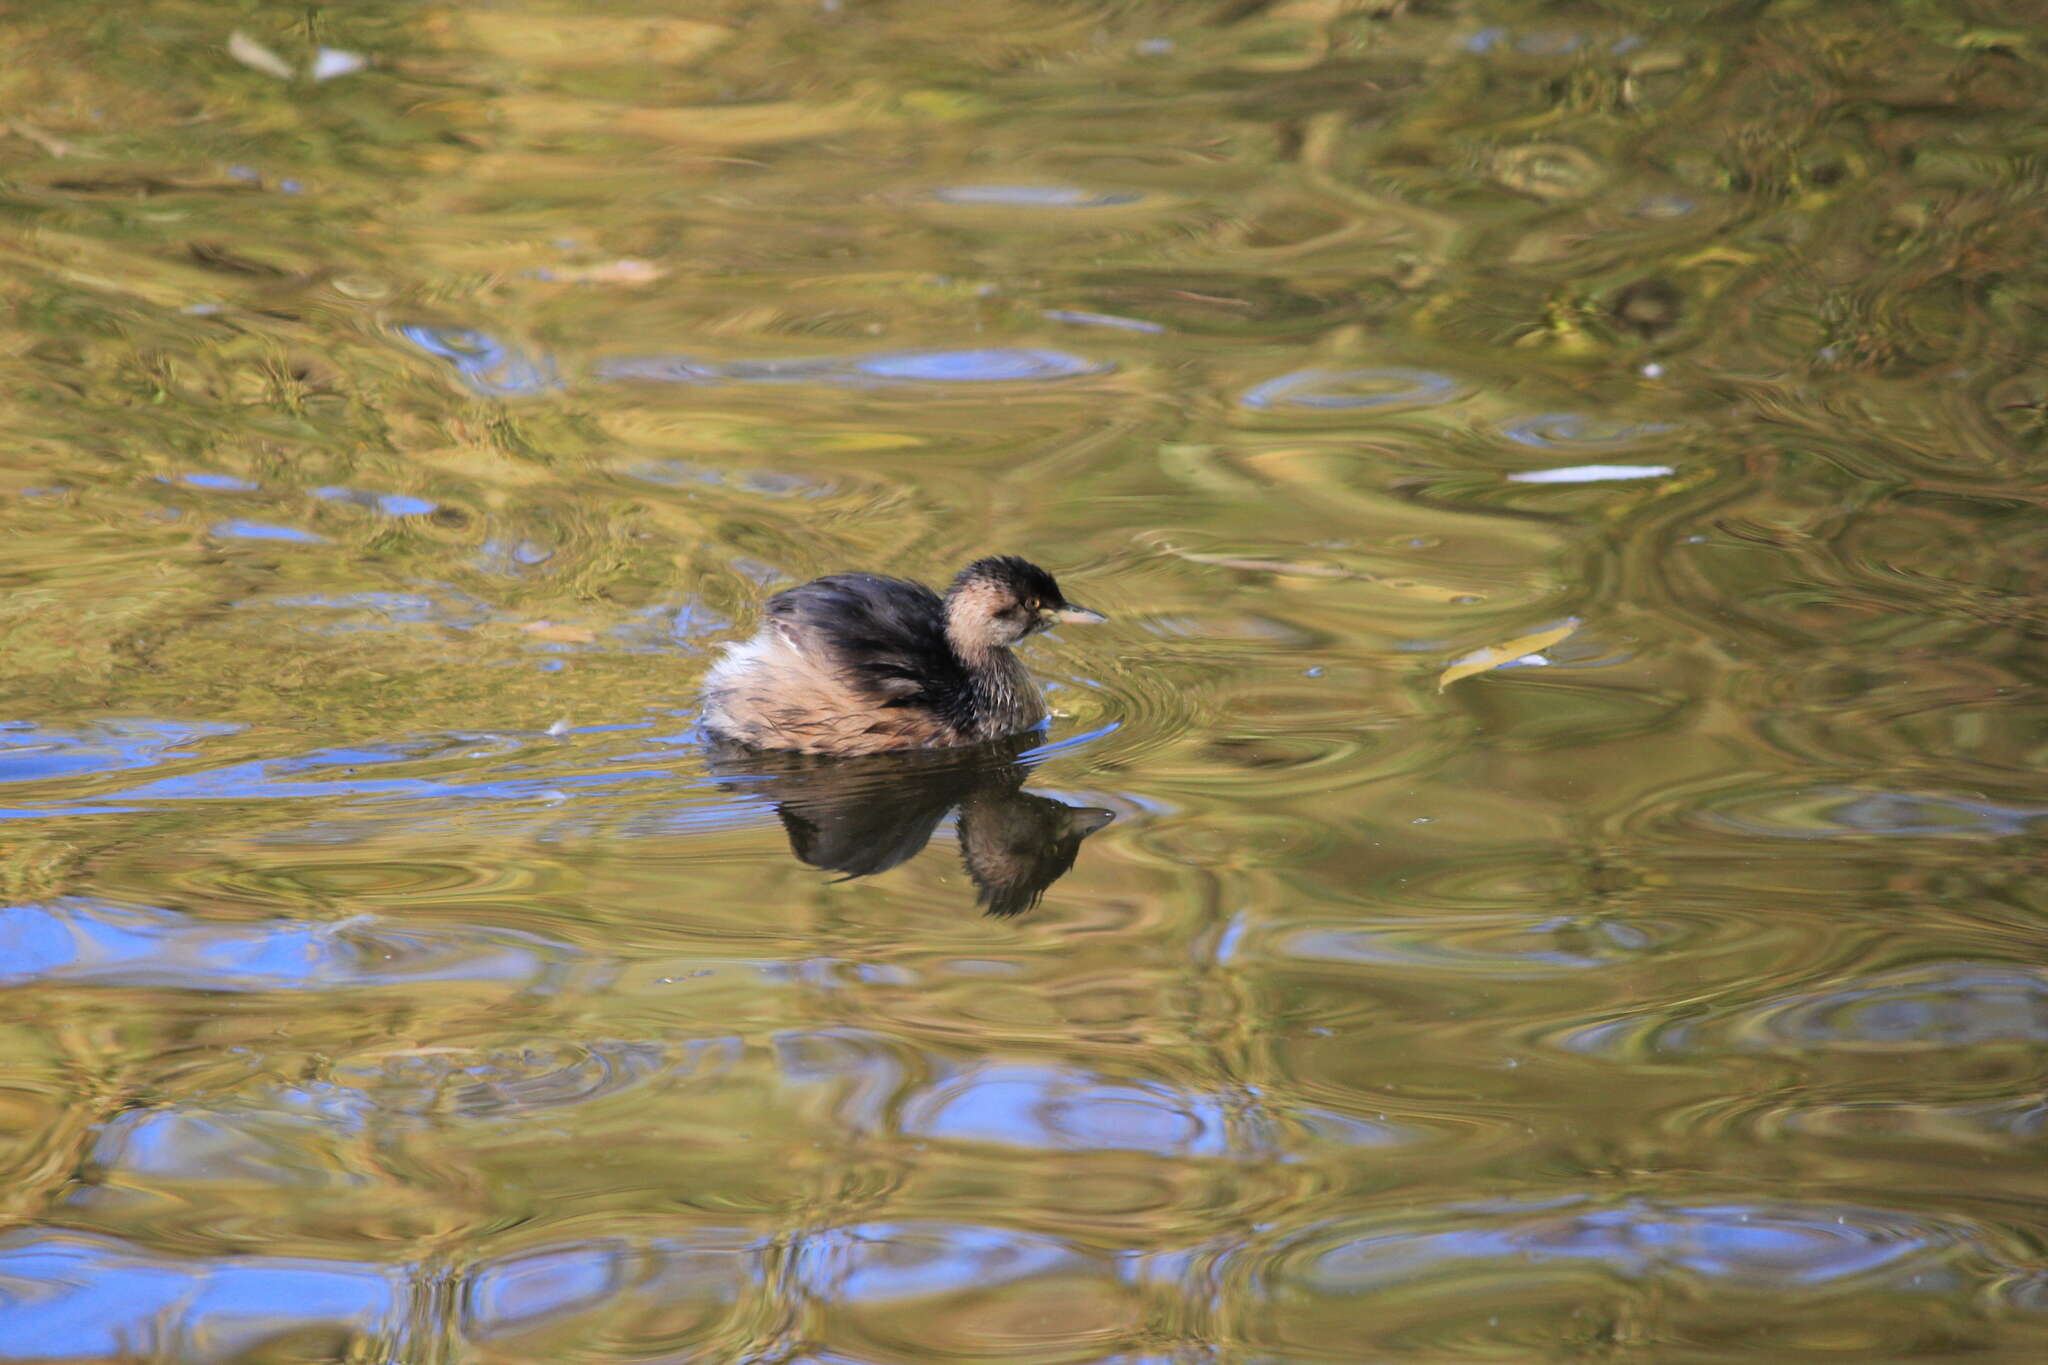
[[1067, 614], [1085, 820]]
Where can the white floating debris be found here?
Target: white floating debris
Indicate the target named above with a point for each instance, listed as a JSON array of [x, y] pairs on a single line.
[[256, 56], [559, 728], [1591, 473], [330, 62]]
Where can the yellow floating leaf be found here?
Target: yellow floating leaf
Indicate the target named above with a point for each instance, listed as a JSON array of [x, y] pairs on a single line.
[[1493, 656]]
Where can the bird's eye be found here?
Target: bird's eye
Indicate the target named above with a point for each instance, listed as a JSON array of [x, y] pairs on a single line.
[[1034, 604]]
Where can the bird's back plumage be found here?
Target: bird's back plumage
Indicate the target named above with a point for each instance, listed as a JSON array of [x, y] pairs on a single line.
[[886, 635]]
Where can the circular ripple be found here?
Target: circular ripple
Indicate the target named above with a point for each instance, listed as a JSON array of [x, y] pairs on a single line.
[[1936, 1008], [1849, 1114], [1970, 712], [1943, 1007], [1762, 1247], [502, 1081], [1543, 1269], [84, 941], [232, 881], [617, 1295], [956, 1291], [1507, 947], [1059, 1109], [1231, 839], [1117, 713], [1827, 811]]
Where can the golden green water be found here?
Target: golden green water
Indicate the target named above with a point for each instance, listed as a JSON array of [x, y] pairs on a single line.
[[1545, 863]]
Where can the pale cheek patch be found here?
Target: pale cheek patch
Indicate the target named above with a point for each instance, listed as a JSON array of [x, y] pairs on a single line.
[[973, 624]]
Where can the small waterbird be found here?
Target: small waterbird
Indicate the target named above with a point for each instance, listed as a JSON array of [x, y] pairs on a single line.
[[856, 663]]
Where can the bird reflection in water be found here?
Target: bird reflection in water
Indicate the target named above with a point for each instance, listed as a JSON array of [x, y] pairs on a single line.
[[866, 814]]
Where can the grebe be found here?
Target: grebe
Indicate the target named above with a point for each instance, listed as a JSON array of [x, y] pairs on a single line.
[[856, 663]]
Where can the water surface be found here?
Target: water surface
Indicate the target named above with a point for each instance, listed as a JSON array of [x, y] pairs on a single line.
[[1545, 862]]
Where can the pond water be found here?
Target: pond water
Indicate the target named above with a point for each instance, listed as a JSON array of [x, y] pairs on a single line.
[[1545, 862]]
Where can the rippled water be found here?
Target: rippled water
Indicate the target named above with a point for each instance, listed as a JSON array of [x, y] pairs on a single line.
[[1546, 862]]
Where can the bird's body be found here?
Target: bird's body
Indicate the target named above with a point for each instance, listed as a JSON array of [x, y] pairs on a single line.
[[856, 663]]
